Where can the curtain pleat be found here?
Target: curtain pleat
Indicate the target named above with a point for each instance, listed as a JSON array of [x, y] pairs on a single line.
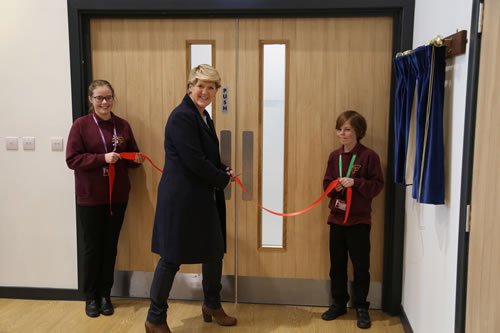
[[421, 74]]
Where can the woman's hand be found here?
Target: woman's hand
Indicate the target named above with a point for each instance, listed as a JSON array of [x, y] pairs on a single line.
[[339, 187], [139, 158], [230, 173], [346, 182], [112, 157]]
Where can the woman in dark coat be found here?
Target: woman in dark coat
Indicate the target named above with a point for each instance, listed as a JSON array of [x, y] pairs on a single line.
[[190, 221]]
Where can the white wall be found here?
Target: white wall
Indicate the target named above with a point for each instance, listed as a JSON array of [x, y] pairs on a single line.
[[37, 208], [431, 232]]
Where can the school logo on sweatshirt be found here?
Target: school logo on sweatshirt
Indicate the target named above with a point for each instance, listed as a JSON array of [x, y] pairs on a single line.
[[118, 140], [355, 168]]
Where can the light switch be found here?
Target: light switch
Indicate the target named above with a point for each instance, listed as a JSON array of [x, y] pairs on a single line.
[[11, 143], [56, 143], [28, 143]]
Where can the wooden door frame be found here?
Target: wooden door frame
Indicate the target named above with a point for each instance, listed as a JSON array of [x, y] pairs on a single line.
[[402, 11]]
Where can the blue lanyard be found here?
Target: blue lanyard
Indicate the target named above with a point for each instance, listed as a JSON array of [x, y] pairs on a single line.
[[115, 137]]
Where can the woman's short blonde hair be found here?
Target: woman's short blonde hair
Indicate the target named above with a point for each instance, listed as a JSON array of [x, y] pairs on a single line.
[[204, 72]]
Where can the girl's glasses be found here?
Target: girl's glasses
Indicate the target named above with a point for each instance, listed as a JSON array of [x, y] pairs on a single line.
[[102, 98]]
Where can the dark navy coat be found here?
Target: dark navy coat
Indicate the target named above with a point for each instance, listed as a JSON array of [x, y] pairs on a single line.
[[190, 220]]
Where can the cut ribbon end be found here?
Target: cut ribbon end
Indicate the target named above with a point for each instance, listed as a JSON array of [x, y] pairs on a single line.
[[111, 174]]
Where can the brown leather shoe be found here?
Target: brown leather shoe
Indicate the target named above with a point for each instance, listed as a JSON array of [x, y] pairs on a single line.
[[219, 315], [152, 328]]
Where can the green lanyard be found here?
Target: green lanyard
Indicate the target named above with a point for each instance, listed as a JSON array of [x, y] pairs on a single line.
[[349, 169]]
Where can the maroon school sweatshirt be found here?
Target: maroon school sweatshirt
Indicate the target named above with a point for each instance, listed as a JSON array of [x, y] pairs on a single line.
[[85, 154], [368, 182]]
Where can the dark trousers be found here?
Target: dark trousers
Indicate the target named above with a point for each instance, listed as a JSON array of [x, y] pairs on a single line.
[[163, 280], [100, 233], [353, 241]]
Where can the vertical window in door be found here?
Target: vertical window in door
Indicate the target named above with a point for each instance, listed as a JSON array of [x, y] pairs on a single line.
[[200, 52], [273, 56]]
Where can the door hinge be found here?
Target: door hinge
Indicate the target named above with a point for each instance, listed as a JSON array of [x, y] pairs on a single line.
[[481, 18], [467, 219]]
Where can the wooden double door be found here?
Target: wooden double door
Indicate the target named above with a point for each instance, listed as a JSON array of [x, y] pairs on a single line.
[[332, 65]]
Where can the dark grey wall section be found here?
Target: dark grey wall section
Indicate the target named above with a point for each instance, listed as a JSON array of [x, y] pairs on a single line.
[[467, 167]]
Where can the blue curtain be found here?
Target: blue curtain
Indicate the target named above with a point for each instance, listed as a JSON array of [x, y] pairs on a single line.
[[424, 69], [405, 90]]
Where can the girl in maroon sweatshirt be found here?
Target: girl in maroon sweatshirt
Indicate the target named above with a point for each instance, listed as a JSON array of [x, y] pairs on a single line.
[[357, 167], [94, 142]]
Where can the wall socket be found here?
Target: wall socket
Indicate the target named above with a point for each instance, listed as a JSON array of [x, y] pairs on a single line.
[[28, 142], [56, 143], [11, 143]]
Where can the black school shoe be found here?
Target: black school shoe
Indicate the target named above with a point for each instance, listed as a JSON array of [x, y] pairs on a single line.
[[333, 312], [92, 308], [363, 318], [106, 307]]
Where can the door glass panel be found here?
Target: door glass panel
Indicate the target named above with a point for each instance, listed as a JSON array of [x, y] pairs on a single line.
[[201, 54], [273, 142]]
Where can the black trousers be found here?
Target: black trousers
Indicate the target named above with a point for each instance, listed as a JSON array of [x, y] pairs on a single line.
[[100, 233], [163, 280], [353, 241]]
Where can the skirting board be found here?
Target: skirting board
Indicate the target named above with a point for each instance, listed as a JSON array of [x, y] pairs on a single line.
[[405, 322]]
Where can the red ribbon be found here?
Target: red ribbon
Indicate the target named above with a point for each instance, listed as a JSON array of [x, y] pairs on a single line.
[[131, 156], [111, 174], [328, 190]]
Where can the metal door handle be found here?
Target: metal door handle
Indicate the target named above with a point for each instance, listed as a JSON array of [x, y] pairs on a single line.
[[247, 164], [225, 156]]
